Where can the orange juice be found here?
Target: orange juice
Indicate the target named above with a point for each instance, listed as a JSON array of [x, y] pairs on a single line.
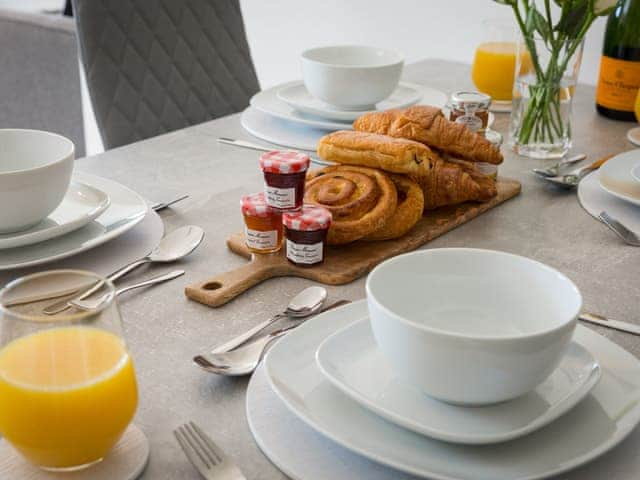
[[66, 395], [637, 107], [494, 69]]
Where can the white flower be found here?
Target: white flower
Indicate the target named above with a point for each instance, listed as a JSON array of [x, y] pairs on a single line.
[[603, 7]]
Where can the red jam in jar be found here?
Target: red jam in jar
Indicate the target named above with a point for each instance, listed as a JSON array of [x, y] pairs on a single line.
[[306, 234], [263, 225], [284, 178]]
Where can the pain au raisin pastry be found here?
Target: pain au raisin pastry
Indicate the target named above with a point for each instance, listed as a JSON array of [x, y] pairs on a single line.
[[408, 212], [426, 124], [361, 200], [443, 183]]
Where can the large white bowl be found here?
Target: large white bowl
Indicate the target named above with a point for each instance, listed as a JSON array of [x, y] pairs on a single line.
[[351, 77], [35, 171], [471, 326]]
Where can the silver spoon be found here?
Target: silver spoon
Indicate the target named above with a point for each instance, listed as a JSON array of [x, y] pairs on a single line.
[[174, 246], [571, 179], [244, 360], [555, 169], [304, 304], [95, 304]]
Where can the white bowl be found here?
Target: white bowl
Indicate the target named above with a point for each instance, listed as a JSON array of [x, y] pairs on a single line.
[[35, 172], [351, 77], [469, 326]]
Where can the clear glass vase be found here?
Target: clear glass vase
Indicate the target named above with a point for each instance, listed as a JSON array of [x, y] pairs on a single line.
[[545, 81]]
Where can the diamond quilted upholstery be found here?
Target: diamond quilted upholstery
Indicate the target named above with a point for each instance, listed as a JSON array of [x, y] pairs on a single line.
[[153, 66]]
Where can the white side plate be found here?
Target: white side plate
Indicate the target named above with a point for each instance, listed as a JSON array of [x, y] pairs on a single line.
[[127, 208], [81, 204], [351, 360], [294, 98], [615, 176], [280, 132], [598, 423]]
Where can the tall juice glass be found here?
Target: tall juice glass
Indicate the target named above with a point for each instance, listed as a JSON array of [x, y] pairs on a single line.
[[67, 383], [494, 61]]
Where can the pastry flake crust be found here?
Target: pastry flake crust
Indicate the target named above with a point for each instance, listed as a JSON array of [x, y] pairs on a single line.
[[396, 155], [427, 125]]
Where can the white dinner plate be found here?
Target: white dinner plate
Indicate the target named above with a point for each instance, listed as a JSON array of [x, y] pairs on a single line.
[[635, 172], [280, 132], [598, 423], [293, 100], [595, 199], [351, 360], [615, 176], [126, 209], [81, 204]]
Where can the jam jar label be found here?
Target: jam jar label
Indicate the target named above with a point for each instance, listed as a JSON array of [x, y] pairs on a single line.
[[280, 197], [302, 253], [472, 122], [261, 240]]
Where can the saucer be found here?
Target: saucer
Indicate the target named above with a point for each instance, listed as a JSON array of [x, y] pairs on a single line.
[[296, 96], [126, 461], [290, 402], [351, 361], [81, 204], [615, 176], [633, 136]]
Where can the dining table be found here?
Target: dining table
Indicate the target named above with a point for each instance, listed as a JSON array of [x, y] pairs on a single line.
[[164, 329]]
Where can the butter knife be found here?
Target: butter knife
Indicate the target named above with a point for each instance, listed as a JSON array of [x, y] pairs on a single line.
[[610, 323], [260, 148]]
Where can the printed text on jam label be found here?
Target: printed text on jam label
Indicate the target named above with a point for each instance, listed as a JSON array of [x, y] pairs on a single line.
[[261, 240], [300, 253], [280, 197]]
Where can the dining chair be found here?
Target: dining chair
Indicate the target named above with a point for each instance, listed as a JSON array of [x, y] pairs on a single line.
[[153, 66], [39, 77]]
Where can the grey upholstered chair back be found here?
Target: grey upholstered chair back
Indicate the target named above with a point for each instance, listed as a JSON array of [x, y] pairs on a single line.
[[39, 76], [154, 66]]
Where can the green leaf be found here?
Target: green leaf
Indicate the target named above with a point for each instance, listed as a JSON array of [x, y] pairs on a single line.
[[574, 18], [535, 22], [505, 2]]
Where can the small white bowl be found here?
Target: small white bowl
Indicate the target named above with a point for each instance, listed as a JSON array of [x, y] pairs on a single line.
[[351, 77], [469, 326], [35, 172]]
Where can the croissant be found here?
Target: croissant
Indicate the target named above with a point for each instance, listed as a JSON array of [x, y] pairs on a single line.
[[428, 125], [449, 184]]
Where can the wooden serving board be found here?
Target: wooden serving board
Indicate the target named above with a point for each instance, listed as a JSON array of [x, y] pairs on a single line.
[[342, 264]]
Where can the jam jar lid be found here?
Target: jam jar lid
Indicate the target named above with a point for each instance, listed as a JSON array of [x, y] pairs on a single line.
[[255, 205], [460, 100], [308, 218], [284, 162]]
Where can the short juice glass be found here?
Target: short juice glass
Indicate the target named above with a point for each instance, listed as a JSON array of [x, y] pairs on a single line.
[[67, 384]]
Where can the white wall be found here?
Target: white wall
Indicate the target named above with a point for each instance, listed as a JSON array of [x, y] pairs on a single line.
[[279, 30]]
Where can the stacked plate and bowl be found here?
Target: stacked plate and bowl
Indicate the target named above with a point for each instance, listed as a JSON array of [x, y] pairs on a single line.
[[50, 212], [460, 364], [339, 84], [615, 189]]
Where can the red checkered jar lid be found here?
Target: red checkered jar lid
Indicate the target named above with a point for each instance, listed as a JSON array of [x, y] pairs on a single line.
[[255, 205], [308, 218], [284, 162]]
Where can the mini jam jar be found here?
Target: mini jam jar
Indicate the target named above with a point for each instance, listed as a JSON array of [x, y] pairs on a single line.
[[284, 178], [471, 109], [263, 225], [490, 169], [305, 234]]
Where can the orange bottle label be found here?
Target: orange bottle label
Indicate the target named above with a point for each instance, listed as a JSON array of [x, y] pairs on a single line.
[[618, 83]]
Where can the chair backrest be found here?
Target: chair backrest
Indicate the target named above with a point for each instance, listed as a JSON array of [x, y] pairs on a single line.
[[39, 75], [154, 66]]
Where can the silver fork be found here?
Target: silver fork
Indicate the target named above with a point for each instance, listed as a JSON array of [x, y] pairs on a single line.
[[205, 455], [629, 237]]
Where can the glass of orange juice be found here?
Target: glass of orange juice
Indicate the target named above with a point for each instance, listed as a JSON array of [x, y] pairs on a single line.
[[494, 62], [67, 384]]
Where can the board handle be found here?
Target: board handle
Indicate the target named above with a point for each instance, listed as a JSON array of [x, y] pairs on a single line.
[[220, 289]]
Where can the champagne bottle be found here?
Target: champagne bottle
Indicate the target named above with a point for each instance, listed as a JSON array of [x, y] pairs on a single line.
[[619, 79]]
